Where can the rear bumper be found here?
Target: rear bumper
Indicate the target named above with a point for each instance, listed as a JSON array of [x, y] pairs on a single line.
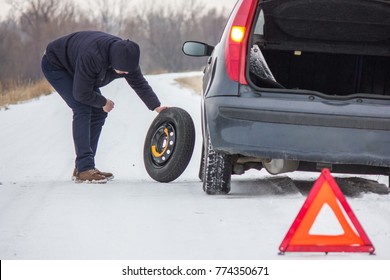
[[301, 129]]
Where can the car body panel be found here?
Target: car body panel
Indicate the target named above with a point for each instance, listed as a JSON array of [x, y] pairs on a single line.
[[290, 129]]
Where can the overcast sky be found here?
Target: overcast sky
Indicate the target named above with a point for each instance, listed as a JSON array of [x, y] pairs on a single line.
[[4, 6]]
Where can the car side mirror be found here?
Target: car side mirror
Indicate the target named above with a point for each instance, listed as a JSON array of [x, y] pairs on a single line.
[[193, 48]]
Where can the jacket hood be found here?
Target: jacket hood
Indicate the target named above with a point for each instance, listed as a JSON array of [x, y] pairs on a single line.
[[124, 55]]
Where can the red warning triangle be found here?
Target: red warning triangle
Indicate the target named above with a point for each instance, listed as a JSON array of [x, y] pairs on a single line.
[[326, 191]]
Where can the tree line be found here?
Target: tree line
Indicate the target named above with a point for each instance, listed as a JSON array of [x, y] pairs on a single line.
[[160, 31]]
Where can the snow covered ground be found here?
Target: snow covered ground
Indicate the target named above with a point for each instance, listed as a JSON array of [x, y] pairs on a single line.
[[44, 215]]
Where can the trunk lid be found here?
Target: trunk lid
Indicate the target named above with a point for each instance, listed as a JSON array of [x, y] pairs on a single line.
[[333, 26]]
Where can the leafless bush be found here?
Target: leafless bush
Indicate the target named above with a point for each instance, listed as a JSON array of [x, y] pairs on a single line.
[[25, 91]]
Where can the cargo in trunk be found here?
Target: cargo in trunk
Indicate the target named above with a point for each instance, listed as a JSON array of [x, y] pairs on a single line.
[[335, 47]]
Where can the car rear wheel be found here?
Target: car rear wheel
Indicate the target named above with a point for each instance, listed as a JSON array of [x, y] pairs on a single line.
[[202, 161], [217, 171], [169, 145]]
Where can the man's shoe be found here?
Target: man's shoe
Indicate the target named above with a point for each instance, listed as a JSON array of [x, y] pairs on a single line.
[[74, 175], [109, 176], [90, 176]]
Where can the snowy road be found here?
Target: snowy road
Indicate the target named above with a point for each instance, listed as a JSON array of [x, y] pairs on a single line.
[[44, 215]]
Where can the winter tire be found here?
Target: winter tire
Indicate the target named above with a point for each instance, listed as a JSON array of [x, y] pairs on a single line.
[[217, 171], [201, 167], [169, 144]]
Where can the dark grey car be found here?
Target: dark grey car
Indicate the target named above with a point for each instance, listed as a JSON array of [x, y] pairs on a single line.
[[297, 85]]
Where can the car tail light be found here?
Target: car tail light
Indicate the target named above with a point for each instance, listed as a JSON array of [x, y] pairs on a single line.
[[237, 34], [236, 44]]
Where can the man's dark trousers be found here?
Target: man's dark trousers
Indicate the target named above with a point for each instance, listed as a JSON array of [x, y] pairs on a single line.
[[87, 121]]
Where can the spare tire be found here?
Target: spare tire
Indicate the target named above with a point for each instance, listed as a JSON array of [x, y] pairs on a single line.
[[169, 145]]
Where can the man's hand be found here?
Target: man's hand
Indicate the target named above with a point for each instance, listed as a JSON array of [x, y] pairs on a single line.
[[109, 106], [159, 109]]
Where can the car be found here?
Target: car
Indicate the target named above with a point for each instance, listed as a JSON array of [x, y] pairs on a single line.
[[296, 85]]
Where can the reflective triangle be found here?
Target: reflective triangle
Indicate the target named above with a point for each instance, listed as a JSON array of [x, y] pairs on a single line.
[[352, 238]]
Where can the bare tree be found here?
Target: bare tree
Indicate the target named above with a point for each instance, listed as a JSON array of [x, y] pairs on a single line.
[[10, 43], [39, 22], [110, 14], [159, 29]]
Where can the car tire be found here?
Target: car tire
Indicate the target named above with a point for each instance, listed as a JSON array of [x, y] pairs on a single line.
[[217, 171], [169, 144], [202, 161]]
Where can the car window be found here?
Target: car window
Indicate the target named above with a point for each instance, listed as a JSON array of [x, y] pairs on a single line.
[[259, 27]]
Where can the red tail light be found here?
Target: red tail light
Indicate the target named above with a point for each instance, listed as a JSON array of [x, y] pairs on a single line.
[[236, 43]]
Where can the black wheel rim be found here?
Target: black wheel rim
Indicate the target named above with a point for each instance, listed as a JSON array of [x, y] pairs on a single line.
[[163, 144]]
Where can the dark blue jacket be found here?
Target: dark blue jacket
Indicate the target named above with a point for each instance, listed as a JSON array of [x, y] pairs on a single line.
[[85, 55]]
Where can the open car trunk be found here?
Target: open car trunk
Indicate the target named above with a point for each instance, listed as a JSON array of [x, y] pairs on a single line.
[[336, 47]]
